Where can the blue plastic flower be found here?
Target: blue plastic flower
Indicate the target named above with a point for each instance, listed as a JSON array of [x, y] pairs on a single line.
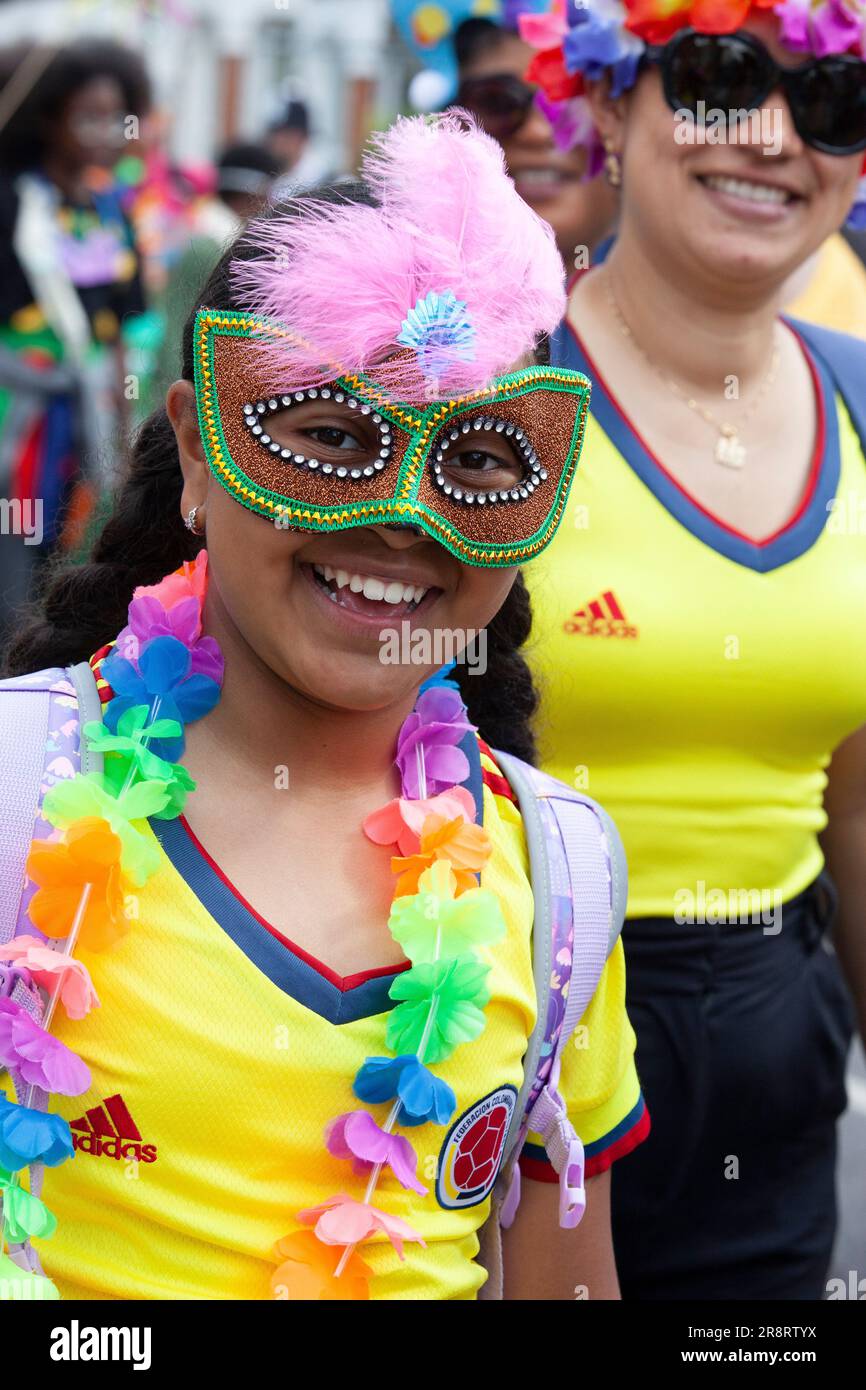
[[440, 331], [440, 677], [596, 42], [425, 1097], [162, 682], [32, 1136]]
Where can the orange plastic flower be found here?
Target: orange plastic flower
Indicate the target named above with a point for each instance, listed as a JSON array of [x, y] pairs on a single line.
[[463, 844], [307, 1271], [89, 853]]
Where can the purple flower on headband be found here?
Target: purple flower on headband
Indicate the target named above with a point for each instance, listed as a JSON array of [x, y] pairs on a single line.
[[428, 741], [828, 27], [597, 42]]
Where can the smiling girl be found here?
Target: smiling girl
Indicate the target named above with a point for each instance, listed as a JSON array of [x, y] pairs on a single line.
[[310, 1042]]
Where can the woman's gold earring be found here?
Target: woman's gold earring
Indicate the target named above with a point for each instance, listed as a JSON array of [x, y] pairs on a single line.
[[190, 525], [612, 166]]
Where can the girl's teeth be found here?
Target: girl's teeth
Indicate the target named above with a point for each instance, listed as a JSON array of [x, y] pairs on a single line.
[[392, 591]]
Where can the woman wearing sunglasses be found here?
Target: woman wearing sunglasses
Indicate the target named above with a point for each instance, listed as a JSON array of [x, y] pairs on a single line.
[[550, 178], [699, 623]]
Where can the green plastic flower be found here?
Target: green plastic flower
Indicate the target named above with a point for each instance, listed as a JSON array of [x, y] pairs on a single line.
[[433, 924], [82, 796], [129, 744], [457, 992], [24, 1214], [127, 751]]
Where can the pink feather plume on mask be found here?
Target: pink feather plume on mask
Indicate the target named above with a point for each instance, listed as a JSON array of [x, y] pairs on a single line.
[[344, 277]]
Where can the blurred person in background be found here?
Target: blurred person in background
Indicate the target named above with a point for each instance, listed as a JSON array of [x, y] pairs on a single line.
[[69, 274], [288, 140], [492, 61], [698, 628], [245, 177], [831, 288]]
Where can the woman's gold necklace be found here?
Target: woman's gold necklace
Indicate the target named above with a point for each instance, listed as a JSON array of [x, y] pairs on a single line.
[[729, 450]]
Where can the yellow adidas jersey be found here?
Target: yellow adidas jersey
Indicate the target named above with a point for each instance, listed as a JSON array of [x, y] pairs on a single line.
[[220, 1053], [696, 682]]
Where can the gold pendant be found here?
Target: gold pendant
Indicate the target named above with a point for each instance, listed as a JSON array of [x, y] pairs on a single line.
[[729, 450]]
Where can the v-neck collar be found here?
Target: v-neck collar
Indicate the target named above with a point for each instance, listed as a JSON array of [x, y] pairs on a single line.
[[339, 999], [791, 540]]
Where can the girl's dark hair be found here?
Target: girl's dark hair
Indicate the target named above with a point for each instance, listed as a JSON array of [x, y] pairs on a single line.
[[84, 606], [23, 136]]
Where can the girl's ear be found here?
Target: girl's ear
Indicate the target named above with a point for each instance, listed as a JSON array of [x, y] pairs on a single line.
[[181, 409], [609, 114]]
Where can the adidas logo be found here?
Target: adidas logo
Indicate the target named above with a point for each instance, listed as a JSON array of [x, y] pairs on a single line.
[[109, 1131], [603, 617]]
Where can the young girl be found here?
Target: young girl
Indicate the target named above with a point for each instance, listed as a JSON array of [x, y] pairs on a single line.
[[364, 442]]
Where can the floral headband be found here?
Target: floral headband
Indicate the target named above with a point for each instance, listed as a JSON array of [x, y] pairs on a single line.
[[584, 39]]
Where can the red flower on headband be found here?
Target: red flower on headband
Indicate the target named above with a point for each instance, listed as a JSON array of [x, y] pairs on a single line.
[[548, 71]]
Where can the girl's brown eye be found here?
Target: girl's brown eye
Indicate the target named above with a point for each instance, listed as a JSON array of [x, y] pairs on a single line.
[[323, 429], [333, 437], [486, 460]]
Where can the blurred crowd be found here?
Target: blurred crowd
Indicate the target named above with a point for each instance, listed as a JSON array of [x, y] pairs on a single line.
[[105, 242]]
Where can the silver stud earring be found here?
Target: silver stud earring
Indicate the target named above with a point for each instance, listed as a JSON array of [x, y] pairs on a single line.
[[189, 523]]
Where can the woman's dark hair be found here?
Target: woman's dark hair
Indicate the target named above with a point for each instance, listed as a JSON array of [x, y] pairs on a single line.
[[474, 38], [23, 136], [84, 606]]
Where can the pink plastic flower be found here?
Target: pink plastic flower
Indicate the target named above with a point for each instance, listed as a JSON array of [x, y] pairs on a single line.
[[190, 581], [356, 1135], [46, 967], [342, 1220], [401, 821], [40, 1059]]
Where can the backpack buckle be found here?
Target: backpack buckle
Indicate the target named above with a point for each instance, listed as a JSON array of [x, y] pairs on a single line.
[[572, 1193]]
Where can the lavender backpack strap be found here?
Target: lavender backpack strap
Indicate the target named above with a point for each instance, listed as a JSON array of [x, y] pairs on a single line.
[[579, 882]]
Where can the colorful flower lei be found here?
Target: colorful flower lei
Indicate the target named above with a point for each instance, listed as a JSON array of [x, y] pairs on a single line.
[[578, 41], [438, 916], [165, 674]]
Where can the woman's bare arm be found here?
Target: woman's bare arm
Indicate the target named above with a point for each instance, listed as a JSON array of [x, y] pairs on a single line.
[[844, 845]]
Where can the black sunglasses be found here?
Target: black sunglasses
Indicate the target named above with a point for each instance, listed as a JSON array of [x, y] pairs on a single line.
[[500, 102], [735, 72]]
